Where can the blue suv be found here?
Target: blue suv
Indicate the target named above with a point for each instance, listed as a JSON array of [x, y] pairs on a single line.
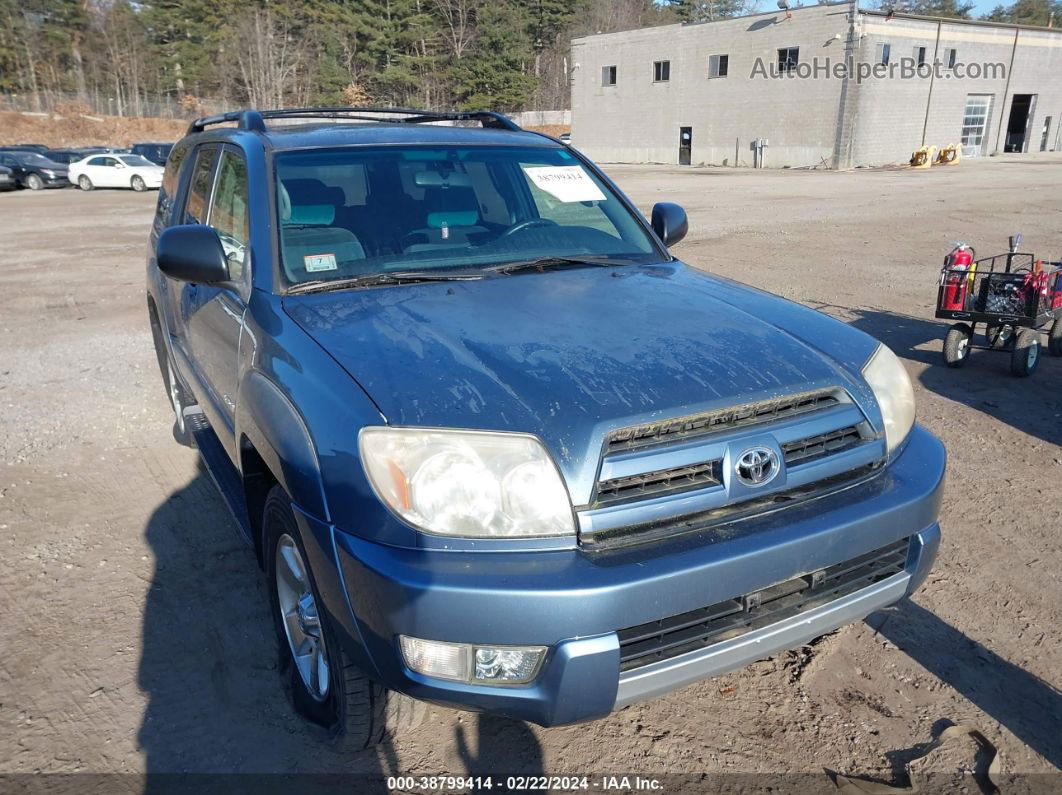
[[494, 446]]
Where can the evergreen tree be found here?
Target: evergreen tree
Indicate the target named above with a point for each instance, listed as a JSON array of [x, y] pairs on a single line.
[[495, 75]]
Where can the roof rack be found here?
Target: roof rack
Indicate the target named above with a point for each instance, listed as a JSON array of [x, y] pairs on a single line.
[[254, 120]]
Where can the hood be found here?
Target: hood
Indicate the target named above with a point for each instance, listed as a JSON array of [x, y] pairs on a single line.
[[569, 354]]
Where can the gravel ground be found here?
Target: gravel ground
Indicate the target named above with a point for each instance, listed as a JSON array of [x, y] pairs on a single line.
[[135, 635]]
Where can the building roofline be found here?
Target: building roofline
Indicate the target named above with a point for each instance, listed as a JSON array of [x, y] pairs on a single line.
[[775, 12], [980, 23]]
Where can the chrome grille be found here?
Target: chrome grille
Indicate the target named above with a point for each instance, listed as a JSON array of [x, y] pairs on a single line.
[[639, 436], [804, 451], [665, 481]]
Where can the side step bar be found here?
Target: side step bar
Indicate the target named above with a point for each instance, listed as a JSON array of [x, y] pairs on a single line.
[[225, 476]]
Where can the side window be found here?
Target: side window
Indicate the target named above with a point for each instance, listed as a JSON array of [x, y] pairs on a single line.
[[569, 213], [195, 206], [96, 161], [228, 211], [170, 182], [110, 162]]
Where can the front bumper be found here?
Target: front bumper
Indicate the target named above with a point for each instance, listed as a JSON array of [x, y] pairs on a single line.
[[574, 602]]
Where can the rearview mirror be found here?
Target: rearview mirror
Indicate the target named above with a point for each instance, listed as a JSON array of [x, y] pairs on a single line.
[[192, 253], [669, 222]]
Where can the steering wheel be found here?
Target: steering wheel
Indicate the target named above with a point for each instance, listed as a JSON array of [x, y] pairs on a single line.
[[528, 224]]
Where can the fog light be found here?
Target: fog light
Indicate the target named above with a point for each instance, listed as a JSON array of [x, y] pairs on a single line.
[[507, 665], [435, 658], [489, 665]]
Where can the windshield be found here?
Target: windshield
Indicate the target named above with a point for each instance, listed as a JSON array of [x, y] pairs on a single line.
[[349, 213], [135, 160], [33, 159]]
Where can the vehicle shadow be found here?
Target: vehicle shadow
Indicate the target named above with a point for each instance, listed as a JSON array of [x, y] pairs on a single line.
[[215, 700], [503, 748], [984, 383], [1026, 705]]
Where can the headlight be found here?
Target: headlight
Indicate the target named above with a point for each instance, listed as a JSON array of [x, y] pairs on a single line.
[[892, 388], [467, 483], [488, 665]]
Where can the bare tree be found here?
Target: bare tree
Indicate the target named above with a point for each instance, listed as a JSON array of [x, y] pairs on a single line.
[[459, 19], [269, 55]]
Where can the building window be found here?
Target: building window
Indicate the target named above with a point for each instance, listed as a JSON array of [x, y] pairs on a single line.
[[1045, 134], [974, 123], [608, 75], [788, 58], [920, 56], [661, 71], [883, 52], [718, 65], [949, 58]]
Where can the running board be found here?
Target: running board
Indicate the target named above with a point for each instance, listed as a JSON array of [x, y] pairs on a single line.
[[225, 476]]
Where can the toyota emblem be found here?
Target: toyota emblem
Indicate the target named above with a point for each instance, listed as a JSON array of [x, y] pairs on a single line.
[[757, 466]]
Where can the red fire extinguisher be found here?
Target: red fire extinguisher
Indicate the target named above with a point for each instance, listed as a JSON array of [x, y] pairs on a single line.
[[956, 266]]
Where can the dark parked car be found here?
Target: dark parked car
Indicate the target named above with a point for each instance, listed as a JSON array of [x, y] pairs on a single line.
[[35, 171], [66, 156], [7, 179], [494, 445], [155, 152], [38, 148]]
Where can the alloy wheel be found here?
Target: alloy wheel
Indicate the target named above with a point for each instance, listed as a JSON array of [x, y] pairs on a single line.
[[302, 623]]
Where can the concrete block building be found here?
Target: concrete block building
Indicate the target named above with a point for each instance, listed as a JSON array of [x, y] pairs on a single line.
[[825, 85]]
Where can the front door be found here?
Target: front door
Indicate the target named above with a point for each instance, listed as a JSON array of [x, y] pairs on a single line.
[[215, 320], [685, 145]]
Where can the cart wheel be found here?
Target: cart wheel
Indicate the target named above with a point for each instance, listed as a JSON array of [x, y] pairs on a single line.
[[999, 337], [1054, 338], [957, 345], [1026, 353]]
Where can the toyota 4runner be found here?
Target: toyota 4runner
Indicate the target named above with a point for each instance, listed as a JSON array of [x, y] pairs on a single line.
[[493, 445]]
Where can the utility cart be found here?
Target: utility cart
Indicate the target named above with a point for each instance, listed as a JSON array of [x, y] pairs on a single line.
[[1016, 297]]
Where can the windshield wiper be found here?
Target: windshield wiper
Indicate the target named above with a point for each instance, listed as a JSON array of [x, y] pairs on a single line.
[[542, 263], [377, 279]]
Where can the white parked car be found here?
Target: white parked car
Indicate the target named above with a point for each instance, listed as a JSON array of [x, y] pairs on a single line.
[[116, 171]]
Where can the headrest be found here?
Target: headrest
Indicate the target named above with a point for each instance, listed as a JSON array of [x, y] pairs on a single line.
[[305, 191], [451, 218], [312, 214], [436, 179]]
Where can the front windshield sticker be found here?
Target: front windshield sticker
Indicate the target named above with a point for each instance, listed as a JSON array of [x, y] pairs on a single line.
[[566, 183], [316, 263]]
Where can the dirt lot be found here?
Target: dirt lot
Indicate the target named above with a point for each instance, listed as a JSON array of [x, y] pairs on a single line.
[[135, 635]]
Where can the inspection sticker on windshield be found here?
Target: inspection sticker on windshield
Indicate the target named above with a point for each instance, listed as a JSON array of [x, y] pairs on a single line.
[[319, 262], [566, 183]]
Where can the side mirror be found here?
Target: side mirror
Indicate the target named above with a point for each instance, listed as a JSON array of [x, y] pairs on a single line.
[[192, 253], [119, 164], [669, 222]]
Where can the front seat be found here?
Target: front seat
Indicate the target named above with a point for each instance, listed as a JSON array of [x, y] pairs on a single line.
[[308, 237]]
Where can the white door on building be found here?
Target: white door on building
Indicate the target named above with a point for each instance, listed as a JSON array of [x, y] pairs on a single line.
[[975, 124]]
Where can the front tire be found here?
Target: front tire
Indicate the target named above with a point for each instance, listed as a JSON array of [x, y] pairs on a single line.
[[85, 183], [34, 182], [1026, 354], [325, 687], [957, 345], [138, 184]]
